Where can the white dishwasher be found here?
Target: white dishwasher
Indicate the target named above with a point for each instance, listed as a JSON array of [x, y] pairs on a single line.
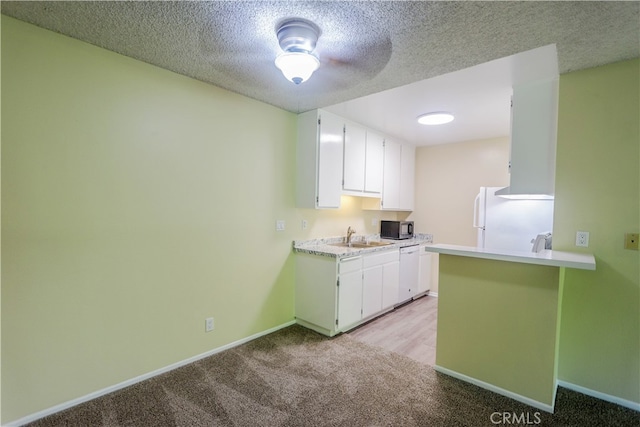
[[409, 262]]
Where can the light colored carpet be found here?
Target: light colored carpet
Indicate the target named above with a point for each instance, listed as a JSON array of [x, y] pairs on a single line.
[[295, 377]]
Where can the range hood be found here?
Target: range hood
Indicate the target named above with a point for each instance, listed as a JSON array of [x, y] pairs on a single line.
[[534, 123]]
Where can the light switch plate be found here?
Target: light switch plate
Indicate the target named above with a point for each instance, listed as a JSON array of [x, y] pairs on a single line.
[[208, 324], [280, 225]]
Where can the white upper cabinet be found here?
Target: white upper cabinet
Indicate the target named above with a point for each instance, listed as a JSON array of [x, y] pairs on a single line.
[[335, 156], [330, 152], [319, 159], [355, 148], [363, 161], [407, 176], [374, 163], [398, 183], [534, 120], [391, 175]]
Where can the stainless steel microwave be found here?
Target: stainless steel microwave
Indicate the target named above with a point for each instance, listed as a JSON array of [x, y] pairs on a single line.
[[397, 230]]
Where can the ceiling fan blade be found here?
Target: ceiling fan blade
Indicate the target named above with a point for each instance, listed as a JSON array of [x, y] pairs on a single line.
[[362, 61]]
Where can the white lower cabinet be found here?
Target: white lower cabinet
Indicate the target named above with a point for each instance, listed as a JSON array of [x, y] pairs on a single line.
[[381, 281], [335, 295], [390, 283], [371, 290], [424, 272], [349, 292]]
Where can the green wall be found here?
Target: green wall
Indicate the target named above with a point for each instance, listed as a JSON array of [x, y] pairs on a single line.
[[598, 190], [497, 323], [136, 203], [122, 182]]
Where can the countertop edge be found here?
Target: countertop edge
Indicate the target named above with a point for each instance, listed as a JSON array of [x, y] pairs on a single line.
[[551, 258], [323, 247]]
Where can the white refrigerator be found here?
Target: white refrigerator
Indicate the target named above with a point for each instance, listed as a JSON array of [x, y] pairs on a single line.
[[510, 224]]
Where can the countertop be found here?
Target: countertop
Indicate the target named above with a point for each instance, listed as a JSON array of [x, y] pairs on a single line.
[[324, 247], [546, 257]]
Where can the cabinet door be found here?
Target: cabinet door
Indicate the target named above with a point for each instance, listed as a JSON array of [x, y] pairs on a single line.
[[374, 163], [391, 175], [330, 143], [407, 176], [349, 299], [354, 157], [316, 292], [390, 284], [424, 272], [534, 116], [372, 291]]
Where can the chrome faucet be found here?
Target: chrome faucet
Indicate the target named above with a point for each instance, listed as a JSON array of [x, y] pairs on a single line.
[[350, 232]]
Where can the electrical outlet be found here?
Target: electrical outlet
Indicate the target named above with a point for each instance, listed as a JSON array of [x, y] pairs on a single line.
[[208, 324], [582, 238], [631, 241], [304, 224], [280, 225]]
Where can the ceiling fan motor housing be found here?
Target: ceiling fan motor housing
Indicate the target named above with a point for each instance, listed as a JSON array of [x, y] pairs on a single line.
[[298, 35]]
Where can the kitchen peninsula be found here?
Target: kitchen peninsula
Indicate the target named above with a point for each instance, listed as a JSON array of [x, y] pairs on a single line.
[[498, 318]]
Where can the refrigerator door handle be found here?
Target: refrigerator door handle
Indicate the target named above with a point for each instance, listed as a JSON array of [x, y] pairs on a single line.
[[476, 209]]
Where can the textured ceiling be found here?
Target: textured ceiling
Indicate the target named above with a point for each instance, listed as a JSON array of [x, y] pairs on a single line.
[[365, 47]]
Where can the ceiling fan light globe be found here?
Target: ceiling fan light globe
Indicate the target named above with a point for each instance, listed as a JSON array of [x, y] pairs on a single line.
[[297, 66]]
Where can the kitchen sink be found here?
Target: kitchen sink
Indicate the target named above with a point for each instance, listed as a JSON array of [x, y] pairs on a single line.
[[361, 245]]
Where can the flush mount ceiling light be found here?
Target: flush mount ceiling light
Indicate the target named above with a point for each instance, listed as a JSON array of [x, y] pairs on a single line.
[[297, 38], [437, 118]]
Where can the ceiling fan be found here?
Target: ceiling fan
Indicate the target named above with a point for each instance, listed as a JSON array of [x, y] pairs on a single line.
[[341, 48], [297, 38]]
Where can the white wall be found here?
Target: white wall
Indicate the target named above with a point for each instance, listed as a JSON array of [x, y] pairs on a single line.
[[448, 178]]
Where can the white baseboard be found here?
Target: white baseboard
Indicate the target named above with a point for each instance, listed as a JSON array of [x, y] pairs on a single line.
[[602, 396], [523, 399], [432, 294], [318, 329], [71, 403]]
